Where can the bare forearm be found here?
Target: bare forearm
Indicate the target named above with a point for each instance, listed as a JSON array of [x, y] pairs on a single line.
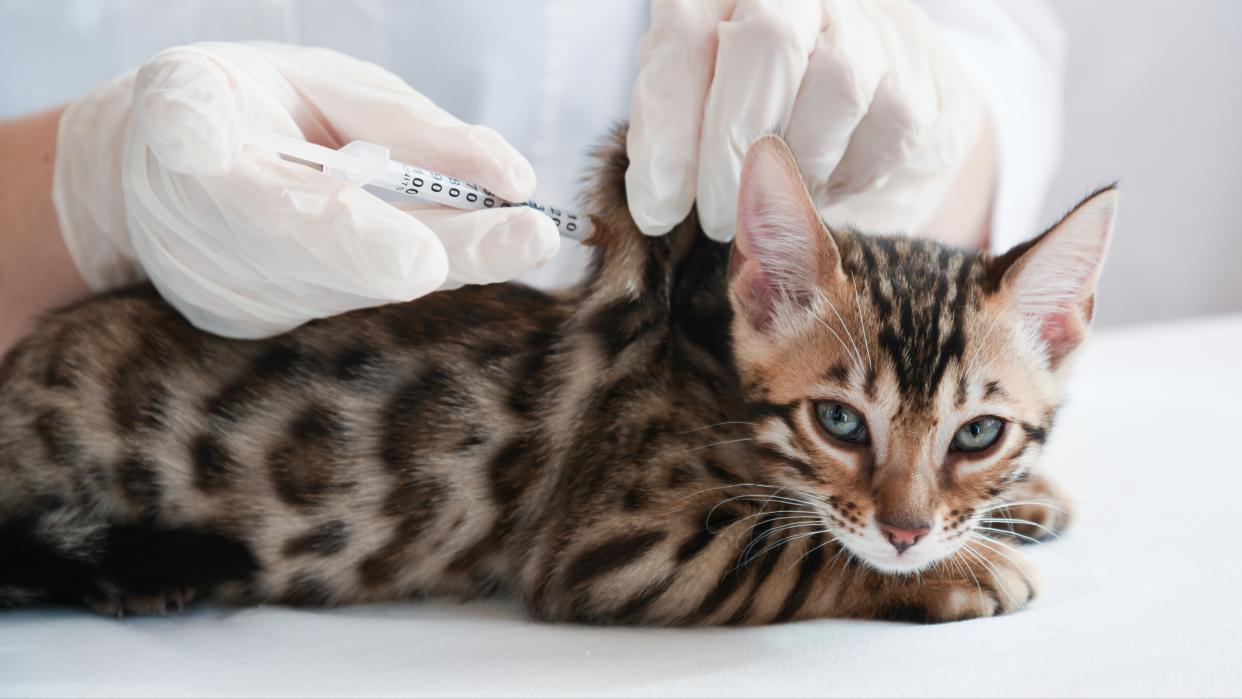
[[36, 271]]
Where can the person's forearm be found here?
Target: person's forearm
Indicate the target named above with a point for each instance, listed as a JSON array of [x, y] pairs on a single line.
[[36, 271], [965, 215]]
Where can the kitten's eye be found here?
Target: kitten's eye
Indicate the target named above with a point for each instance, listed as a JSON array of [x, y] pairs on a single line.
[[979, 434], [841, 422]]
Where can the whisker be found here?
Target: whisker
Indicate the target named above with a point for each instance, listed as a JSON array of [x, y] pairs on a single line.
[[998, 547], [774, 531], [1011, 520], [989, 543], [766, 499], [716, 444], [853, 356], [801, 520], [862, 326], [755, 541], [1016, 503], [966, 567], [1004, 532], [979, 536], [843, 551], [779, 543], [769, 513], [991, 567], [718, 424], [813, 550], [962, 567], [844, 326], [734, 485], [680, 502], [983, 342]]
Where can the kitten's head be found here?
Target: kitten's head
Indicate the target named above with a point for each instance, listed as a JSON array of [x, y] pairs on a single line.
[[902, 384]]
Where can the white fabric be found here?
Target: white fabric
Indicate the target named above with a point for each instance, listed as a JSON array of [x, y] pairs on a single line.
[[869, 96], [1141, 597], [152, 180]]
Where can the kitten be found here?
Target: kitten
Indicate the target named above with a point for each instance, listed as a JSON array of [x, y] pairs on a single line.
[[784, 428]]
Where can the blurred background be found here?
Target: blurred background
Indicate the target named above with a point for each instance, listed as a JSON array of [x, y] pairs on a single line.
[[1153, 97]]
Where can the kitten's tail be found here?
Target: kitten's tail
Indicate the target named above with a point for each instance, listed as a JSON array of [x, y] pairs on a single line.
[[57, 559], [632, 269], [32, 570]]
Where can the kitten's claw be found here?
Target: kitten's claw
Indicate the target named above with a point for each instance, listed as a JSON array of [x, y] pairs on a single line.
[[118, 605]]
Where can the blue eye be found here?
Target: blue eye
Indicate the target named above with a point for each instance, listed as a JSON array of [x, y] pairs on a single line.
[[841, 421], [978, 434]]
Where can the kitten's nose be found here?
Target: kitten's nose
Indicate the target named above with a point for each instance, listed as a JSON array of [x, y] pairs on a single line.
[[902, 538]]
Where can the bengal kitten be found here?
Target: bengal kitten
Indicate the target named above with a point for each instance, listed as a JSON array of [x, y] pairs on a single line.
[[785, 428]]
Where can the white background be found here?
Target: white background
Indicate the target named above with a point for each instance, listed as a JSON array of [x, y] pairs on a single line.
[[1154, 98]]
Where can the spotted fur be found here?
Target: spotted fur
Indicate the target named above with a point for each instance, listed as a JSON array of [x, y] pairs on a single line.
[[629, 452]]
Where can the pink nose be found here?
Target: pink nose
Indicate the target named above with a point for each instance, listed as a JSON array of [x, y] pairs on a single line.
[[902, 538]]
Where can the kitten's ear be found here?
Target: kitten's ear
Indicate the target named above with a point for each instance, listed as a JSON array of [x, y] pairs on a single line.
[[783, 252], [1052, 278]]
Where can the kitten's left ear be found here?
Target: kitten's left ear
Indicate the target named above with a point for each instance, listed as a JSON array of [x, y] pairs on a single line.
[[1052, 278]]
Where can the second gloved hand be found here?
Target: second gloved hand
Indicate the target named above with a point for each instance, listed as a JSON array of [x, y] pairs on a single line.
[[152, 180], [877, 112]]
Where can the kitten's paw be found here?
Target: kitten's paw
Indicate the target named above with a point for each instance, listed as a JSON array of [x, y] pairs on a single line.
[[997, 584], [119, 605], [976, 584], [1040, 512]]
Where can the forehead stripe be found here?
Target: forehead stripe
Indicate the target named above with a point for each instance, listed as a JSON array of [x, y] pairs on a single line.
[[920, 291]]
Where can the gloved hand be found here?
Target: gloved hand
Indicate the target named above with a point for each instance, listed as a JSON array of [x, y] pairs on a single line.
[[151, 178], [866, 93]]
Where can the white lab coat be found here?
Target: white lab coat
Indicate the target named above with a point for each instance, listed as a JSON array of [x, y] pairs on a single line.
[[550, 75]]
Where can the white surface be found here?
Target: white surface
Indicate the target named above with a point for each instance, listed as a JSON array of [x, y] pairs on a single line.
[[1141, 597]]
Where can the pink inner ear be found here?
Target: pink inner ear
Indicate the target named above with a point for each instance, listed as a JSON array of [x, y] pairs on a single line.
[[755, 291], [780, 246], [1062, 332], [1054, 278]]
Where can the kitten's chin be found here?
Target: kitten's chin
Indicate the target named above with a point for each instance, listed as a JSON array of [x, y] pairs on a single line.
[[903, 564], [890, 562]]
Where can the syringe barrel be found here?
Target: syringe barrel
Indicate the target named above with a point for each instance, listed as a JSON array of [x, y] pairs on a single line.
[[433, 187], [437, 188]]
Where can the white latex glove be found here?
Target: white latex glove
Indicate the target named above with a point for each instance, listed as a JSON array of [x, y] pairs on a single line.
[[880, 117], [151, 180]]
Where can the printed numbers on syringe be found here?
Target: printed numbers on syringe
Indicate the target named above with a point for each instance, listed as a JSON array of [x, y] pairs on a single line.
[[414, 180], [439, 188]]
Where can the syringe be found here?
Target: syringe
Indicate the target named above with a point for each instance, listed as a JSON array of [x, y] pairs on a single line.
[[364, 163]]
